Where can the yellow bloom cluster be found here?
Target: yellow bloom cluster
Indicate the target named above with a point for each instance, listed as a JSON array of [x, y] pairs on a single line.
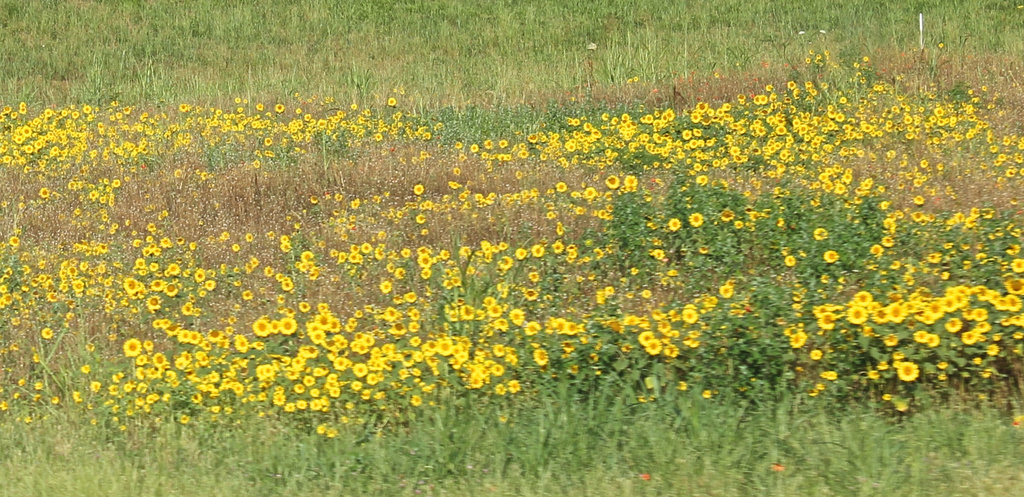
[[336, 266]]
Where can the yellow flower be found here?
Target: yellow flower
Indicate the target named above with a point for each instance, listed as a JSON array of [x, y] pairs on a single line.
[[726, 290], [540, 356], [831, 256], [891, 341], [696, 220], [612, 182], [1014, 286], [907, 371], [857, 315], [816, 355], [132, 347], [827, 320], [690, 314], [674, 224], [47, 333], [954, 325]]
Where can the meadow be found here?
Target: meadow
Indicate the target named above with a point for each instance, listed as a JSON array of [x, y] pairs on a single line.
[[315, 255]]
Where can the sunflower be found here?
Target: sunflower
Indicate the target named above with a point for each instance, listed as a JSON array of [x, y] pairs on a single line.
[[726, 290], [540, 356], [132, 347], [646, 338], [654, 348], [612, 182], [696, 220], [288, 326], [827, 320], [907, 371], [954, 325], [830, 256], [690, 315], [857, 315], [674, 224], [1015, 286]]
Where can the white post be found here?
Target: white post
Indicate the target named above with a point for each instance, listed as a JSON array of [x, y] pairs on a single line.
[[920, 22]]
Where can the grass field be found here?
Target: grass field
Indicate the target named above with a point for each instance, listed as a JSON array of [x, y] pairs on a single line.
[[591, 449], [446, 248], [452, 53]]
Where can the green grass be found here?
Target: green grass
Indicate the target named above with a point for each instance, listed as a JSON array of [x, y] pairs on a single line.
[[687, 447], [447, 52]]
